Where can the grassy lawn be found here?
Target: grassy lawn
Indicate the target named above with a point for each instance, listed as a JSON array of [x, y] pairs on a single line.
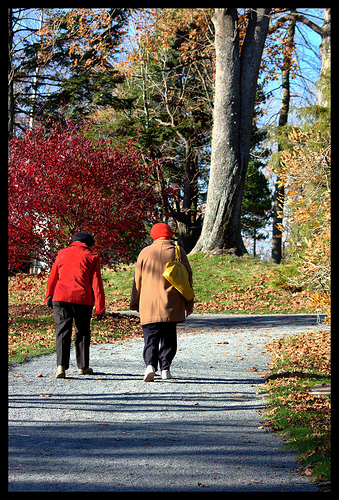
[[298, 363], [223, 284], [30, 332]]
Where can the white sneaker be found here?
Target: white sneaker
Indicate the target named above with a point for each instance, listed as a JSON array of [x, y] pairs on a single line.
[[166, 374], [149, 374]]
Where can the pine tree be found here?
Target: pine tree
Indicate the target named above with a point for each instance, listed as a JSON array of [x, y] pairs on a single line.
[[256, 204]]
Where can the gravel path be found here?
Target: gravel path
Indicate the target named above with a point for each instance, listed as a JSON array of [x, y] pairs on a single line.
[[112, 432]]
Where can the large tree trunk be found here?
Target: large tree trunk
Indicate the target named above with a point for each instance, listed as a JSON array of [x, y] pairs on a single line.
[[235, 88]]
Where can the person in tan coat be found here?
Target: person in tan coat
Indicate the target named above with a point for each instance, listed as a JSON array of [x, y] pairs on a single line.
[[160, 305]]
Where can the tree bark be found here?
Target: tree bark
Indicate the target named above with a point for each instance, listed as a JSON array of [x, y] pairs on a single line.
[[10, 75], [235, 89], [325, 53], [35, 83], [188, 224], [279, 193]]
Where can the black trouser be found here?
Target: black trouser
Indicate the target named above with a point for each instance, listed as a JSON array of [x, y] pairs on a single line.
[[64, 312], [164, 334]]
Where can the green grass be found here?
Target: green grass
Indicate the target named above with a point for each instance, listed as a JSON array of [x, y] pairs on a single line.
[[118, 283], [222, 284], [206, 273], [216, 272], [30, 336]]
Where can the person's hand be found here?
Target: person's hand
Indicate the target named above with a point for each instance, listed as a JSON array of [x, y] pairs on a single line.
[[189, 311], [99, 317], [49, 302]]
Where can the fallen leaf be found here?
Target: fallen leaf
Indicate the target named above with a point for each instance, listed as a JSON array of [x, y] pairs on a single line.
[[307, 472], [40, 375], [238, 394]]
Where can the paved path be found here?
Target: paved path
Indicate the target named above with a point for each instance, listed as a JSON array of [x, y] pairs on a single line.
[[112, 432]]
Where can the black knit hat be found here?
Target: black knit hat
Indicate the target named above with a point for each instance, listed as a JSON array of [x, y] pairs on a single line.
[[84, 238]]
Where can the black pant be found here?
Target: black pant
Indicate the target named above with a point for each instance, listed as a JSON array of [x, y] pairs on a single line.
[[64, 312], [164, 334]]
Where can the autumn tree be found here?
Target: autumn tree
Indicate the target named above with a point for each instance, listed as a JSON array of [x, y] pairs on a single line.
[[292, 17], [63, 57], [283, 118], [62, 182], [167, 96], [304, 172], [10, 88], [23, 27]]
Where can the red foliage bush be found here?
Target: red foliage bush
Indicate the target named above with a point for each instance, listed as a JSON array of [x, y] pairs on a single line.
[[61, 182]]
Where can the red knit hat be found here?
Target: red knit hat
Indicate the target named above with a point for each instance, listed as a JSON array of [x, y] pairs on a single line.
[[161, 230]]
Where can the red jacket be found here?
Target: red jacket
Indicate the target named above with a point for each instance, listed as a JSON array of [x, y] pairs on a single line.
[[75, 277]]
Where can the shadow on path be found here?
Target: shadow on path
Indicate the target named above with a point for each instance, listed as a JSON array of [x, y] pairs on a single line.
[[253, 321], [185, 456]]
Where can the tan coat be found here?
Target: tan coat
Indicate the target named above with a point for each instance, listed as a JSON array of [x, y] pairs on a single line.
[[152, 295]]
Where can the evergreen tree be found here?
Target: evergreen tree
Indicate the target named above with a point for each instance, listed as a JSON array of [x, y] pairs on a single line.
[[256, 205]]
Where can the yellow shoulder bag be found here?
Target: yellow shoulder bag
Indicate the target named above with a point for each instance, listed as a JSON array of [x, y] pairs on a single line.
[[176, 273]]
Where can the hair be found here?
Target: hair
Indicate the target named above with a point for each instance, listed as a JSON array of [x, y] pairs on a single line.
[[84, 238]]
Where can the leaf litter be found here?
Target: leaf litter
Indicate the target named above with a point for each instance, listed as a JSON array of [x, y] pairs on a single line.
[[298, 363]]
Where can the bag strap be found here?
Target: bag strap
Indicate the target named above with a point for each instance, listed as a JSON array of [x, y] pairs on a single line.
[[177, 253]]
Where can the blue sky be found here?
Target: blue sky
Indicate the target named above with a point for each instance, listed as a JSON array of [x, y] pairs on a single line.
[[303, 92]]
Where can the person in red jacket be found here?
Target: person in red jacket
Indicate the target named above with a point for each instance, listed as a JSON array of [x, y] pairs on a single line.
[[74, 286]]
